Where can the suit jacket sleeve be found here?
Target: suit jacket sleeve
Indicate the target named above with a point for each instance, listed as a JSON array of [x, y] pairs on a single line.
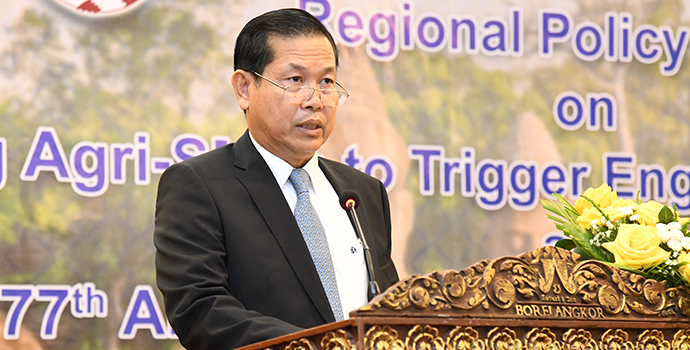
[[192, 272]]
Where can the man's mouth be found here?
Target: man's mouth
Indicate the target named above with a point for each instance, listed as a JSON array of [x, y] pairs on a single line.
[[309, 126]]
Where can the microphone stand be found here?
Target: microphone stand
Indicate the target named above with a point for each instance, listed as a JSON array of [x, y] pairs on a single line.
[[373, 287]]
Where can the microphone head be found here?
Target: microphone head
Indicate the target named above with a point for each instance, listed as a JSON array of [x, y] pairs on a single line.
[[349, 197]]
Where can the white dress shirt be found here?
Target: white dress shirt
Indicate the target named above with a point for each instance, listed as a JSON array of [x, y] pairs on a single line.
[[346, 250]]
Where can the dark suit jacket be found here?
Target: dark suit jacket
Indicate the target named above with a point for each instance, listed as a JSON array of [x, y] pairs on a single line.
[[230, 260]]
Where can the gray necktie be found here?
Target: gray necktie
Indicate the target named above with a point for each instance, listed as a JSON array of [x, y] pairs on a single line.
[[315, 237]]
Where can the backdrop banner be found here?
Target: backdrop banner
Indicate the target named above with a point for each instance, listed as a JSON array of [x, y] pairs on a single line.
[[470, 112]]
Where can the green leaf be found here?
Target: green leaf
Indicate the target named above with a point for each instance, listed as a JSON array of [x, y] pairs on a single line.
[[633, 270], [566, 221], [666, 215], [555, 219], [583, 254], [565, 243]]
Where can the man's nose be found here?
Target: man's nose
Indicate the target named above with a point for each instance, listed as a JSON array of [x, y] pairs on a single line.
[[313, 99]]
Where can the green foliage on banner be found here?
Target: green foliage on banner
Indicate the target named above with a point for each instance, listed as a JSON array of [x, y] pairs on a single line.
[[461, 100], [101, 81]]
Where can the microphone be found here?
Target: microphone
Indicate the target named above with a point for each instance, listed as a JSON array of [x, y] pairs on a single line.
[[349, 200]]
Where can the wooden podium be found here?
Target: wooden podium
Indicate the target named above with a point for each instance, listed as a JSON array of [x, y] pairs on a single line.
[[545, 299]]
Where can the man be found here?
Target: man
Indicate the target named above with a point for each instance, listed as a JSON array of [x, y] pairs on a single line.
[[235, 227]]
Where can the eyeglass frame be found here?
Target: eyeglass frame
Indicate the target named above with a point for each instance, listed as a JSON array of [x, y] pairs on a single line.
[[313, 90]]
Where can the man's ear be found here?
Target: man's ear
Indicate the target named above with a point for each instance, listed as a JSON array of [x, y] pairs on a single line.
[[240, 83]]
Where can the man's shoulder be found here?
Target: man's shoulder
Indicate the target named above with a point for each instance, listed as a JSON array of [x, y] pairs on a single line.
[[219, 159], [344, 171], [341, 167], [213, 156]]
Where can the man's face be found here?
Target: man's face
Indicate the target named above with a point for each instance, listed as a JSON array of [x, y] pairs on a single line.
[[293, 130]]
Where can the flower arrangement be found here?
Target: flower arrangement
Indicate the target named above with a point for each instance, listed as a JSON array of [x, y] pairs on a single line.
[[647, 238]]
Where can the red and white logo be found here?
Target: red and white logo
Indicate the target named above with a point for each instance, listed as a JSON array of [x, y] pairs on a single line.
[[100, 7]]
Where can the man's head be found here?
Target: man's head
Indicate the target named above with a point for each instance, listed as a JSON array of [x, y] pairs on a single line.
[[286, 47], [252, 49]]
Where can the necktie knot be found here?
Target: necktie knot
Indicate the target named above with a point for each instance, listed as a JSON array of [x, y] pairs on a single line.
[[300, 180]]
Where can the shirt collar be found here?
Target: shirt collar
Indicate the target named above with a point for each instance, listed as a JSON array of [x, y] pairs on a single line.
[[281, 169]]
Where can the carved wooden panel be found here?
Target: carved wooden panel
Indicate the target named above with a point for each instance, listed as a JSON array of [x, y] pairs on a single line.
[[545, 299], [547, 283], [522, 338], [428, 337]]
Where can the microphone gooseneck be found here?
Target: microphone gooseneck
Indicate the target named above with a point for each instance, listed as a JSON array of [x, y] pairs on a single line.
[[349, 200]]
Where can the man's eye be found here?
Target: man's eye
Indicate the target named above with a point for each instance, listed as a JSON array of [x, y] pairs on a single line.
[[328, 81], [295, 80]]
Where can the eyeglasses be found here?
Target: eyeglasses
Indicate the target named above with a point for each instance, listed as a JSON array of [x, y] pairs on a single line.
[[299, 93]]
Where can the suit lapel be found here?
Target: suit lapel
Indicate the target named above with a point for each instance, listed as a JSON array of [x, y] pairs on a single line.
[[341, 183], [266, 193]]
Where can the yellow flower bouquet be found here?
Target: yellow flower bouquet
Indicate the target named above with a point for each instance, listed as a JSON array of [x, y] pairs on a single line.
[[647, 238]]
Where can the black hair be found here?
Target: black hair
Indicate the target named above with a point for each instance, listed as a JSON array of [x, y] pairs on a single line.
[[252, 49]]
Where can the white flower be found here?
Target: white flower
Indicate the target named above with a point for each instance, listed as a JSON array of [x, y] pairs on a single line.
[[626, 210], [594, 224], [634, 217], [674, 225], [675, 245], [609, 224], [664, 235], [686, 242], [676, 234]]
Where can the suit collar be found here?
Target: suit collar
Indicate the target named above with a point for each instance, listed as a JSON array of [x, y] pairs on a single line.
[[262, 186], [266, 193], [245, 152]]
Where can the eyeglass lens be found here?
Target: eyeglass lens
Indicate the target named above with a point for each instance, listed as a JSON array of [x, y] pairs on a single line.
[[330, 98]]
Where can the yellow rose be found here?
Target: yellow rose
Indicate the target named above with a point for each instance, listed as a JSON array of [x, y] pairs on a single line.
[[602, 196], [685, 269], [626, 203], [613, 210], [591, 213], [649, 213], [588, 215], [636, 246]]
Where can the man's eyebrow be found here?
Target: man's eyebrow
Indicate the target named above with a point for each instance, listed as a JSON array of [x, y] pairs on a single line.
[[296, 66], [299, 67]]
